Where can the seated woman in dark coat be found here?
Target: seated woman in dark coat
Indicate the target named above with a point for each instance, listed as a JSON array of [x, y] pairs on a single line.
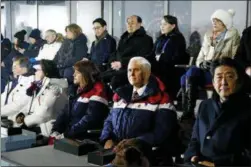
[[88, 109], [221, 134]]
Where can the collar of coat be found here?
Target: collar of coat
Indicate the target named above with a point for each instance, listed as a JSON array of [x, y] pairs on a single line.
[[153, 94], [98, 39], [96, 90], [140, 32], [229, 34]]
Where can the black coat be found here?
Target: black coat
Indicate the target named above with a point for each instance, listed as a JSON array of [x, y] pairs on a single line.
[[243, 54], [101, 51], [34, 49], [221, 132], [138, 44], [69, 53], [172, 51]]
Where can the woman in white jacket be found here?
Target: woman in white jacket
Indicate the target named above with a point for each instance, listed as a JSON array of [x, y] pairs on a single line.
[[48, 98], [50, 49]]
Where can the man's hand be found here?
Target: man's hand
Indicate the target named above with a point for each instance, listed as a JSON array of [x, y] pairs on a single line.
[[2, 64], [21, 50], [248, 71], [194, 159], [206, 163], [108, 144], [116, 65]]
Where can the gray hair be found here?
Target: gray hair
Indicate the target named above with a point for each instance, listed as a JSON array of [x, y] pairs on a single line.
[[146, 65]]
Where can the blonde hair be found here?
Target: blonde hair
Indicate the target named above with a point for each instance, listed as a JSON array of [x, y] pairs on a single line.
[[75, 29], [60, 37]]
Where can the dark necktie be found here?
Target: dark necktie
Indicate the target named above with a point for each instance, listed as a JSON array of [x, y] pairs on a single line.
[[135, 96]]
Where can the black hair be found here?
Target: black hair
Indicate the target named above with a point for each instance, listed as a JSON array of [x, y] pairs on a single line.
[[49, 68], [139, 19], [242, 80], [101, 21], [172, 20], [89, 71]]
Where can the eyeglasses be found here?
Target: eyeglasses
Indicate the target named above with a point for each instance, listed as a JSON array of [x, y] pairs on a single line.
[[96, 28]]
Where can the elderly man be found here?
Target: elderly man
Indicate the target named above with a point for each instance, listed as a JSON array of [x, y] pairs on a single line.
[[134, 42], [221, 134], [15, 91], [141, 110]]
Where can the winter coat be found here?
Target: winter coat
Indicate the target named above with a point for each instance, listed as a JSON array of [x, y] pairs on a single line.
[[34, 49], [138, 44], [5, 48], [221, 133], [243, 54], [72, 51], [101, 50], [16, 98], [69, 53], [151, 118], [172, 51], [86, 111], [43, 108], [224, 48], [4, 78], [48, 51]]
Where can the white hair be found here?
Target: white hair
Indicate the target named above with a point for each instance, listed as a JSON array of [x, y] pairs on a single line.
[[146, 65]]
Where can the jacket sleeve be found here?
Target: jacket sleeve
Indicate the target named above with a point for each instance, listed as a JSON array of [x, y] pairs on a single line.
[[79, 52], [15, 106], [43, 112], [111, 49], [201, 56], [96, 112], [165, 124], [194, 145], [107, 132], [32, 52], [235, 44]]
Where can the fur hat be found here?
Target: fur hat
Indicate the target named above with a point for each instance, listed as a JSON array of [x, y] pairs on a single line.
[[20, 35], [225, 16], [36, 34]]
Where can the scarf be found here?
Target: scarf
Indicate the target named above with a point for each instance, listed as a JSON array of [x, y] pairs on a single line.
[[34, 88], [98, 39]]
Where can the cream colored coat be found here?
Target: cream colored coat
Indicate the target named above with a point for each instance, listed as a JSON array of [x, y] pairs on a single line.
[[226, 47], [43, 109]]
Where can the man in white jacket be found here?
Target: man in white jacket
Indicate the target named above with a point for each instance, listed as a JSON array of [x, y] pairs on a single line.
[[14, 95], [49, 50]]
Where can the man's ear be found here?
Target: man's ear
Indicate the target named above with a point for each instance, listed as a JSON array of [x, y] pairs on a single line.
[[146, 76]]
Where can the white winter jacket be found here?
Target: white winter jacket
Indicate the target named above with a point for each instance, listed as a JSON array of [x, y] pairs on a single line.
[[48, 51], [44, 107], [17, 98], [226, 47]]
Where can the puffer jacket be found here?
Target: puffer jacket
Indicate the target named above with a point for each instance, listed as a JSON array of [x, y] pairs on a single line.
[[226, 47], [45, 105], [86, 111], [151, 118], [13, 101]]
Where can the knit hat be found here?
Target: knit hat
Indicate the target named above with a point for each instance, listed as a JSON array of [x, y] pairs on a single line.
[[36, 34], [225, 16], [20, 35]]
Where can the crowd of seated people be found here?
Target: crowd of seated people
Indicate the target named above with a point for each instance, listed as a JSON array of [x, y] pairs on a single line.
[[54, 87]]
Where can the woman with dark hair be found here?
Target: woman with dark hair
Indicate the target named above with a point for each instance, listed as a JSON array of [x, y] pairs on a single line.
[[170, 49], [221, 134], [88, 109], [48, 98]]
